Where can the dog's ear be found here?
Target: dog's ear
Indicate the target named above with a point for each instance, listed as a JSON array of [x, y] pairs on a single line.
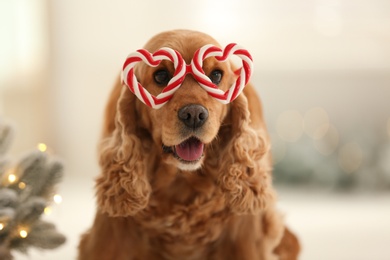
[[245, 171], [122, 188]]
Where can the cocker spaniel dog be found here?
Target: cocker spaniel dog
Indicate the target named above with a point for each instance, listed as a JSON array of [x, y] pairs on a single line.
[[189, 179]]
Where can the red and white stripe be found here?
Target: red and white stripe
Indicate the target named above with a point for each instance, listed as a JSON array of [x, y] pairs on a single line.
[[181, 69], [245, 72], [153, 60]]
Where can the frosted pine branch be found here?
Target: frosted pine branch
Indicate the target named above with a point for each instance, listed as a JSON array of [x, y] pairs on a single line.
[[53, 175], [44, 236], [6, 135], [31, 210], [26, 189]]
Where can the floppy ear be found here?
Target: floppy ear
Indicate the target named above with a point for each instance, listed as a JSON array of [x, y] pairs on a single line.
[[245, 170], [122, 188]]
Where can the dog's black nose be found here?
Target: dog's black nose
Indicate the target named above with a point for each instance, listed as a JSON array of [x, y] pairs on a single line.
[[193, 115]]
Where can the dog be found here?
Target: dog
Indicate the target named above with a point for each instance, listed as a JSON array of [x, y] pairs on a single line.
[[190, 180]]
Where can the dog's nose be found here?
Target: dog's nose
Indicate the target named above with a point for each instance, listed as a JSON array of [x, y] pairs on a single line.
[[193, 115]]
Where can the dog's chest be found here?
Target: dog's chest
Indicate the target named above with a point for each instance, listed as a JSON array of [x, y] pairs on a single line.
[[185, 214]]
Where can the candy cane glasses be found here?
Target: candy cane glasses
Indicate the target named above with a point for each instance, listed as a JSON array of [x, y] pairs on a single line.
[[182, 69]]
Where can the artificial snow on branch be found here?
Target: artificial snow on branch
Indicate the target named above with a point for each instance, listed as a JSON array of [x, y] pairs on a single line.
[[27, 188]]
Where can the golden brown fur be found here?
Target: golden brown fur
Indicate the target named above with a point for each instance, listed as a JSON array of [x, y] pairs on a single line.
[[150, 206]]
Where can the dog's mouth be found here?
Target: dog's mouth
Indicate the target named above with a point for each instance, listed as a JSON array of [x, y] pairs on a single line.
[[188, 151]]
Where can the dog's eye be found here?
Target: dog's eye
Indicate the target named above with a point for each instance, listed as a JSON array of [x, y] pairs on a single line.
[[162, 77], [216, 76]]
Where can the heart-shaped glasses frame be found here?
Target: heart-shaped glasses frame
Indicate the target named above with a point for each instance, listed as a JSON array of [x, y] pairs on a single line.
[[181, 70]]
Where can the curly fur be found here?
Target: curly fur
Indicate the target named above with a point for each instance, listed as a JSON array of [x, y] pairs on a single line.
[[243, 174], [150, 206], [123, 188]]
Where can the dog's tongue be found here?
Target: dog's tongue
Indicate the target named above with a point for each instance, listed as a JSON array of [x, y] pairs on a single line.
[[190, 150]]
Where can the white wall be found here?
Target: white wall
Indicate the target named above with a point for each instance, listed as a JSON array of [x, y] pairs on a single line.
[[333, 54], [24, 63]]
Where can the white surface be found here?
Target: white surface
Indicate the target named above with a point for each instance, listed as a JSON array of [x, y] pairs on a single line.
[[339, 227], [330, 226]]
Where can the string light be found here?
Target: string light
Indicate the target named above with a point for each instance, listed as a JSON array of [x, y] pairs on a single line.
[[42, 147], [20, 215], [47, 211], [23, 233], [22, 185], [11, 178], [57, 198]]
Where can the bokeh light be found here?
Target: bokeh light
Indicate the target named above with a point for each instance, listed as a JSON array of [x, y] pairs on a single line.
[[42, 147], [11, 178], [278, 148], [289, 125], [316, 122], [23, 233], [47, 211], [57, 198], [329, 142], [350, 157], [22, 185]]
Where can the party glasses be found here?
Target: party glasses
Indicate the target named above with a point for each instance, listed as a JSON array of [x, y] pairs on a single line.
[[182, 69]]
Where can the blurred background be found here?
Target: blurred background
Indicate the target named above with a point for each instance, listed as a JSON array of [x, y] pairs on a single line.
[[322, 69]]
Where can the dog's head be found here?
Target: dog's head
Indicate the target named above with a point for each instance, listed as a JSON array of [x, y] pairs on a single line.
[[191, 130], [186, 125]]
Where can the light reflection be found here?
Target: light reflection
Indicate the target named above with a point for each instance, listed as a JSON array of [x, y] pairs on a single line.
[[289, 125], [350, 157], [316, 122]]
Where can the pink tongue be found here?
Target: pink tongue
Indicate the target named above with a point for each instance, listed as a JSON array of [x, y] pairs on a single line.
[[190, 150]]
